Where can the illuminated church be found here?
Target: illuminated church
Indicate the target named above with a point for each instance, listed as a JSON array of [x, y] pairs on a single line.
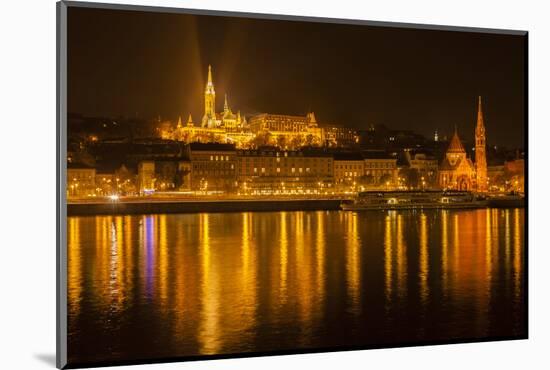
[[226, 119], [457, 171], [221, 127]]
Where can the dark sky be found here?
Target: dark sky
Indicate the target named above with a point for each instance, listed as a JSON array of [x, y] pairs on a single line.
[[148, 64]]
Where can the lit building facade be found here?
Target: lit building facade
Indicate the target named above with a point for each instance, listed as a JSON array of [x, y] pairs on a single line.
[[426, 166], [380, 169], [336, 136], [287, 131], [349, 170], [275, 171], [146, 177], [80, 180], [213, 167], [515, 174]]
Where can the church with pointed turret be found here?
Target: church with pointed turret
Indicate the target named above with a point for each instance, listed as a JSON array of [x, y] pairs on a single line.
[[222, 127], [226, 120], [457, 171]]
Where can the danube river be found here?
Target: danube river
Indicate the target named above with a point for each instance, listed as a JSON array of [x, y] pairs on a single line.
[[153, 286]]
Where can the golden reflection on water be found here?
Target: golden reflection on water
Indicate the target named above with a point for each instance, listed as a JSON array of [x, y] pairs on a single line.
[[320, 257], [491, 235], [283, 259], [424, 266], [74, 271], [303, 266], [517, 255], [128, 257], [218, 282], [103, 226], [117, 264], [401, 259], [507, 242], [388, 260], [456, 248], [248, 278], [163, 259], [445, 251], [209, 338], [180, 284], [353, 267]]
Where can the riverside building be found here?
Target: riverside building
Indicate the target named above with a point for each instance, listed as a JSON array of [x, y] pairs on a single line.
[[270, 170]]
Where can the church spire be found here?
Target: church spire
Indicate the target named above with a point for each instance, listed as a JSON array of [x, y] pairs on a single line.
[[179, 122], [480, 125], [209, 117], [210, 84], [226, 105], [481, 156], [190, 121]]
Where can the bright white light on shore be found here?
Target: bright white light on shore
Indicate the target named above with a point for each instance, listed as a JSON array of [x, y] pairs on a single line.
[[113, 197]]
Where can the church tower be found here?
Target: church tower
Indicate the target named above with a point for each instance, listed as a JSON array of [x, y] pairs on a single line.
[[226, 109], [481, 158], [209, 119]]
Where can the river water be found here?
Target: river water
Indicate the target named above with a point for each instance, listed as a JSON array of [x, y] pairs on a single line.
[[155, 286]]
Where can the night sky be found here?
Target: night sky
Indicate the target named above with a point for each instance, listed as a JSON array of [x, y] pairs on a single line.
[[128, 63]]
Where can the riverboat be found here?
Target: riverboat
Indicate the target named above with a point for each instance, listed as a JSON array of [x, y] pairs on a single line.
[[429, 199]]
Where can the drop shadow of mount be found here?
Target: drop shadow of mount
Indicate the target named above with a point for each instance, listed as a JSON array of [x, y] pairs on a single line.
[[47, 358]]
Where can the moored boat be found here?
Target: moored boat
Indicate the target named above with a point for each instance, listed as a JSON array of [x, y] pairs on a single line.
[[429, 199], [510, 200]]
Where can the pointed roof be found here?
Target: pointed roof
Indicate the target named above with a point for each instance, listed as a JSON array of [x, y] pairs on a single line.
[[179, 122], [455, 145], [190, 121], [226, 105], [210, 84], [480, 123]]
